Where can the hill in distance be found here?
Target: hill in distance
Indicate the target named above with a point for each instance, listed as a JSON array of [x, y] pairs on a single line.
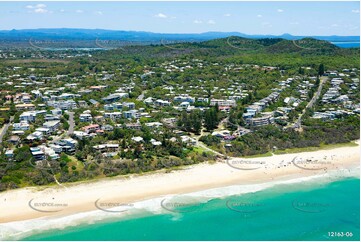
[[91, 34]]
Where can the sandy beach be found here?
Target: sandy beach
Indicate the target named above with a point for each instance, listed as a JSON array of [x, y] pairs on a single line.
[[69, 199]]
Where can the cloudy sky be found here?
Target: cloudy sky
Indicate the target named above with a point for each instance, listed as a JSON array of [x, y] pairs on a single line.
[[297, 18]]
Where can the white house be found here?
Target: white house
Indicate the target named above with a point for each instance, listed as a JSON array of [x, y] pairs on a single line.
[[222, 102], [184, 105], [130, 114], [85, 117], [52, 125], [114, 115], [137, 139], [29, 116], [56, 112], [23, 125]]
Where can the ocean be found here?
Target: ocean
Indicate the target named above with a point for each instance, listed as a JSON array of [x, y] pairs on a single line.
[[347, 44], [321, 208]]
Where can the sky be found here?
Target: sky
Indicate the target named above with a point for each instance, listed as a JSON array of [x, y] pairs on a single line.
[[296, 18]]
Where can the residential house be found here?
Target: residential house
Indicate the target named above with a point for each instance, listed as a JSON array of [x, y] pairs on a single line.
[[184, 98], [37, 153], [155, 142], [14, 139], [161, 103], [68, 145], [52, 125], [63, 105], [85, 117], [35, 136], [136, 126], [25, 106], [129, 105], [57, 112], [137, 139], [29, 116], [222, 102], [115, 97], [82, 104], [264, 120], [188, 140], [130, 114], [9, 154], [43, 130], [114, 115], [184, 105], [80, 134], [91, 128], [154, 124], [107, 127], [23, 125], [49, 152], [106, 147], [49, 117]]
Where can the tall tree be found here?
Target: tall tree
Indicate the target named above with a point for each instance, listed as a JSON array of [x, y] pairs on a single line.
[[210, 119], [321, 69], [196, 119]]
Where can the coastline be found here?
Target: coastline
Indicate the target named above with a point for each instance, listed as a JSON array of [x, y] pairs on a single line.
[[81, 197]]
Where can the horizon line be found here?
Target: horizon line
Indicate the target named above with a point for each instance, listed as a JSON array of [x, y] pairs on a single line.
[[198, 33]]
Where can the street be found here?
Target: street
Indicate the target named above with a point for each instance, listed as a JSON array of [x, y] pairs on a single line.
[[71, 123], [312, 102], [5, 129]]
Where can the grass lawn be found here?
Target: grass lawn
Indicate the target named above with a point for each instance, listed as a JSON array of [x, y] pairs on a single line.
[[258, 155]]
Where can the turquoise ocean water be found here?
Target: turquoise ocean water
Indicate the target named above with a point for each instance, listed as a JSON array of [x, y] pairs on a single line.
[[315, 210]]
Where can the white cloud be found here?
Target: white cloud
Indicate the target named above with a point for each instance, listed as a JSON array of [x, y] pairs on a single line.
[[62, 10], [280, 10], [41, 10], [38, 8], [295, 23], [334, 25], [211, 21], [79, 11], [161, 15], [259, 16], [197, 21], [355, 10], [98, 12], [227, 15]]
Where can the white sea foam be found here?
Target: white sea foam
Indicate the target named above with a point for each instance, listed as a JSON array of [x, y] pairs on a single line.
[[21, 229]]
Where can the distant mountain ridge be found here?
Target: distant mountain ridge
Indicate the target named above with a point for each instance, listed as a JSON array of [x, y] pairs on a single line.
[[87, 34]]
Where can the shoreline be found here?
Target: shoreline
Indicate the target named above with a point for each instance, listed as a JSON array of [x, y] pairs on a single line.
[[17, 206], [24, 229]]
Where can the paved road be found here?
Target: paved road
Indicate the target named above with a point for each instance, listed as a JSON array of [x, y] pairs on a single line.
[[5, 129], [312, 101], [71, 123]]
